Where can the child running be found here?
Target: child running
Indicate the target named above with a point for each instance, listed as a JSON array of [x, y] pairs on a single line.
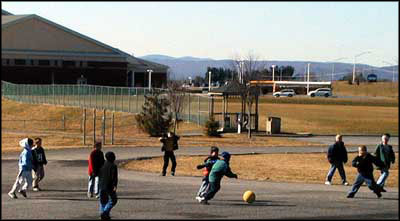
[[207, 165], [96, 161], [363, 162], [219, 169], [39, 160], [25, 169]]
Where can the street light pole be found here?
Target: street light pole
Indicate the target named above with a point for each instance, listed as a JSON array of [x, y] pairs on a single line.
[[308, 78], [209, 81], [273, 72], [354, 66], [392, 68], [149, 71], [333, 66]]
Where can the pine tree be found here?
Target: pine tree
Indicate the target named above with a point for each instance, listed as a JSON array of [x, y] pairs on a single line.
[[154, 118], [211, 128]]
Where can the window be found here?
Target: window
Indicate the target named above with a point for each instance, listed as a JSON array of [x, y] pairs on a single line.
[[20, 62], [44, 62], [68, 63]]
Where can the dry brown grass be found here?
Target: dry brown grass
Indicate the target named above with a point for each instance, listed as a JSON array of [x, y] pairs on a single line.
[[381, 89], [295, 118], [300, 168]]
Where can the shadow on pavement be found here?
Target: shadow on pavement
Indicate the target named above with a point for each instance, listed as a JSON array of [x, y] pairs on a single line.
[[140, 198], [57, 190], [255, 203]]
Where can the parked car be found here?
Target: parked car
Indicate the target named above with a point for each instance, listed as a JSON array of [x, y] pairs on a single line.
[[326, 92], [285, 92]]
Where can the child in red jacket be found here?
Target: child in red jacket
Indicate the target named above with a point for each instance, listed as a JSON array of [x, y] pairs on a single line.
[[96, 161]]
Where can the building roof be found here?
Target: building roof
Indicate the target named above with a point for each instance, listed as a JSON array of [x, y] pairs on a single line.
[[136, 63], [232, 88], [7, 20], [4, 12]]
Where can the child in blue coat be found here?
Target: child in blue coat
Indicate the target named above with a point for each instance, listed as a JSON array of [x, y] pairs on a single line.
[[207, 165], [219, 170], [25, 169]]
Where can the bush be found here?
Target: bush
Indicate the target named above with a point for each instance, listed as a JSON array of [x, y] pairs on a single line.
[[211, 128], [154, 118]]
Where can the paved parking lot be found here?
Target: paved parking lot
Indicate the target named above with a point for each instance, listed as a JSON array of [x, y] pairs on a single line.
[[150, 196]]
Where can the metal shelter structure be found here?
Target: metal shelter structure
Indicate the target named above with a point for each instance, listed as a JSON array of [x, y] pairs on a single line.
[[232, 121]]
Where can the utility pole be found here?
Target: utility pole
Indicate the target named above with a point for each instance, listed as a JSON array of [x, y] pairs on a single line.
[[273, 72], [150, 71], [354, 65], [308, 77], [209, 81]]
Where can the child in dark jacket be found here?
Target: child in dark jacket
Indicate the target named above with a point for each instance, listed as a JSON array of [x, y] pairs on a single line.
[[219, 170], [39, 160], [108, 181], [384, 152], [207, 165], [363, 162], [169, 145], [96, 161]]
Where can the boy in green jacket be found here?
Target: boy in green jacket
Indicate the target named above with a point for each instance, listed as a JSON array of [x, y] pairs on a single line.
[[384, 152], [219, 170]]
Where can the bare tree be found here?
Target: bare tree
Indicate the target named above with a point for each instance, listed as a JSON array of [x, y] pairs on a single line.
[[249, 68], [176, 98]]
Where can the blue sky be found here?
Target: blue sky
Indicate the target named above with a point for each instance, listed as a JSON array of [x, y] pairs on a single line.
[[300, 31]]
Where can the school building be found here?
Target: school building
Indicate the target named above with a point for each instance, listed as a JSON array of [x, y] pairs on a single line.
[[35, 50]]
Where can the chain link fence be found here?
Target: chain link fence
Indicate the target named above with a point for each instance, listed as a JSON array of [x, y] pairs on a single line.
[[123, 99]]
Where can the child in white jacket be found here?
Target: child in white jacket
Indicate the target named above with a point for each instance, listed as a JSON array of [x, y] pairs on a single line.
[[25, 169]]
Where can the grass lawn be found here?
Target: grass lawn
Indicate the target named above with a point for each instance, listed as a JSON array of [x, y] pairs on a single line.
[[45, 121], [291, 167]]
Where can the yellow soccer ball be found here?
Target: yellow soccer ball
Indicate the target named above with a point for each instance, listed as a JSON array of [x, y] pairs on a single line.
[[249, 196]]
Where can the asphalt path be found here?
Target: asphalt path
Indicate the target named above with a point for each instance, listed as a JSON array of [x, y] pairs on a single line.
[[150, 196]]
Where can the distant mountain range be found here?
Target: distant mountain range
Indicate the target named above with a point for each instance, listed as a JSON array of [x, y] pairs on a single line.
[[184, 67]]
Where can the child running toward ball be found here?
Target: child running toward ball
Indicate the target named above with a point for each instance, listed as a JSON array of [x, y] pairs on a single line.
[[207, 165], [219, 170], [363, 162]]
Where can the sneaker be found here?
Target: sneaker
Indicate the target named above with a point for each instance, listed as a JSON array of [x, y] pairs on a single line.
[[328, 183], [35, 189], [23, 193], [172, 173], [162, 174], [204, 202], [378, 194], [346, 183], [89, 195], [350, 196], [97, 196], [12, 195], [104, 216], [200, 199], [383, 190]]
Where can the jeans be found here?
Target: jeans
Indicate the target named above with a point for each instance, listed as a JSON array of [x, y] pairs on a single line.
[[37, 175], [107, 201], [203, 186], [167, 156], [212, 189], [93, 185], [339, 166], [383, 177], [360, 180]]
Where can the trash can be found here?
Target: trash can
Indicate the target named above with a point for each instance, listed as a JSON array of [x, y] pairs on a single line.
[[273, 125]]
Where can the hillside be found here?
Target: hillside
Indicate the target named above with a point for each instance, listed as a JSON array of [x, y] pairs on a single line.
[[183, 67]]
